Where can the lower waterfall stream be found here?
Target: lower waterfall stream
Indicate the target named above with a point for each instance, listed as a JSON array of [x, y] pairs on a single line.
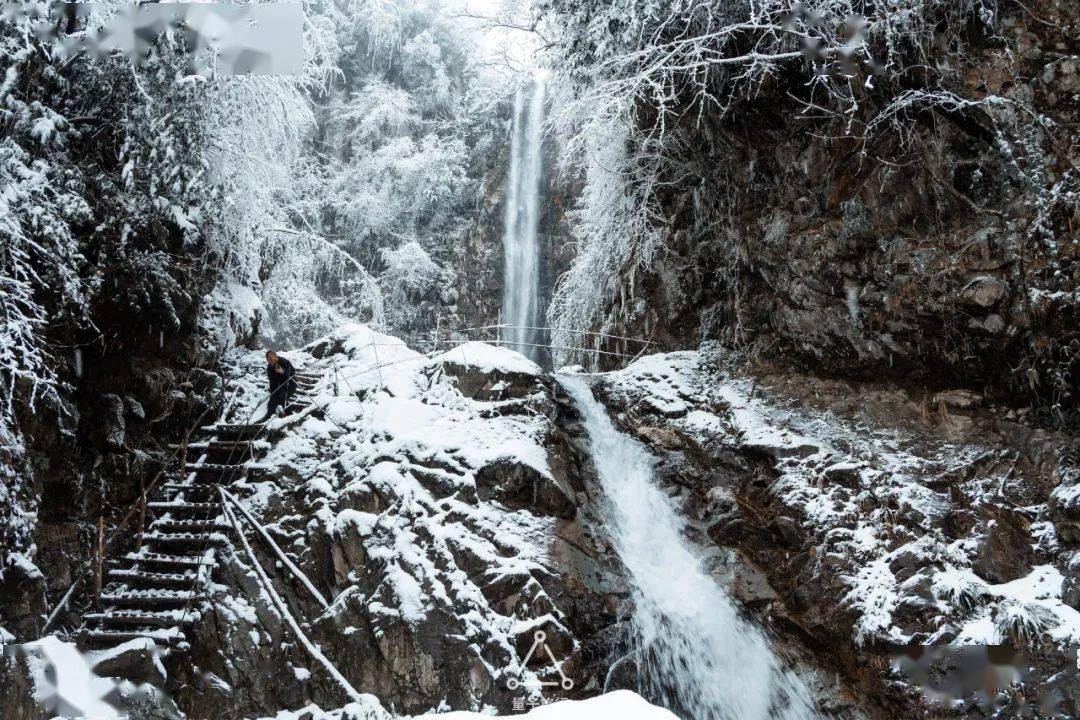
[[694, 652]]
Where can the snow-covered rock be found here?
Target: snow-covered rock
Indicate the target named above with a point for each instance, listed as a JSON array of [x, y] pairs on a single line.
[[432, 501], [878, 521]]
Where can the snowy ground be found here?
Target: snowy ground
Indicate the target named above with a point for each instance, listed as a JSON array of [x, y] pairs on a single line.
[[618, 705]]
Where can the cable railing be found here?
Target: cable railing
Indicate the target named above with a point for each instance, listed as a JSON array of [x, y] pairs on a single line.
[[590, 333]]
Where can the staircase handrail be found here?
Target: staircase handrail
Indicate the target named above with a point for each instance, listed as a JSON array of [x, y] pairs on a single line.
[[292, 568], [283, 612]]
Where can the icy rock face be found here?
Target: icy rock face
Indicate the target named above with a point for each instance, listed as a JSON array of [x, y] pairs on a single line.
[[434, 501], [906, 265], [878, 521]]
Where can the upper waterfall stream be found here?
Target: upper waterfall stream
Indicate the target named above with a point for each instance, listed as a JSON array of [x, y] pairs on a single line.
[[521, 217], [695, 654]]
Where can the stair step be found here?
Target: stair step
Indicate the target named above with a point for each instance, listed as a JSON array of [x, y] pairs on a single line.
[[184, 508], [145, 578], [207, 468], [231, 431], [225, 445], [166, 637], [145, 618], [175, 561], [215, 427], [148, 599], [188, 526], [211, 474], [203, 490], [190, 540]]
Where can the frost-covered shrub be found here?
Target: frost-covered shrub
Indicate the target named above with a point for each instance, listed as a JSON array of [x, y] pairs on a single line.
[[960, 588], [314, 286], [1023, 622], [617, 221], [401, 130], [408, 269], [378, 111]]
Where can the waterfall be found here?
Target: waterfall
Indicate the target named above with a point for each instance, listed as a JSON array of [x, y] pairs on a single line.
[[694, 652], [521, 255]]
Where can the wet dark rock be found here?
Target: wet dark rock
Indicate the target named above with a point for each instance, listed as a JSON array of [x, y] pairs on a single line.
[[1005, 553], [113, 427], [789, 529], [1070, 589], [623, 675], [204, 382], [660, 438], [984, 291], [135, 660], [17, 688], [843, 473], [810, 269], [134, 409], [22, 594], [519, 485]]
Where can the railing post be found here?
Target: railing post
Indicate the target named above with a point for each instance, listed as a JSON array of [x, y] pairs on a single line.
[[100, 558], [142, 515], [378, 365]]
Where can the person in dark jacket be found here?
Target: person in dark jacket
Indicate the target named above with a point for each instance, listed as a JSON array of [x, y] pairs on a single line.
[[279, 372]]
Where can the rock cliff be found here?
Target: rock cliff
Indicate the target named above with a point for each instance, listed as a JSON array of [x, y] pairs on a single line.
[[877, 523], [916, 239]]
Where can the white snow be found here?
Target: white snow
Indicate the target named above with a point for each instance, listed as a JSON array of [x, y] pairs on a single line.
[[617, 705], [64, 682], [1034, 598], [490, 358]]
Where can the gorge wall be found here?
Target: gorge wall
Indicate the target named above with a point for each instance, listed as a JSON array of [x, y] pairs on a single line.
[[929, 235]]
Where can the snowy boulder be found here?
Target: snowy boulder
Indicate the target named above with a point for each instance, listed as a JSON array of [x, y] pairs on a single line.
[[136, 660], [326, 346], [487, 373]]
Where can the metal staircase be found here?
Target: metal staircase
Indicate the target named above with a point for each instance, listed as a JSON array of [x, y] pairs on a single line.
[[155, 591]]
